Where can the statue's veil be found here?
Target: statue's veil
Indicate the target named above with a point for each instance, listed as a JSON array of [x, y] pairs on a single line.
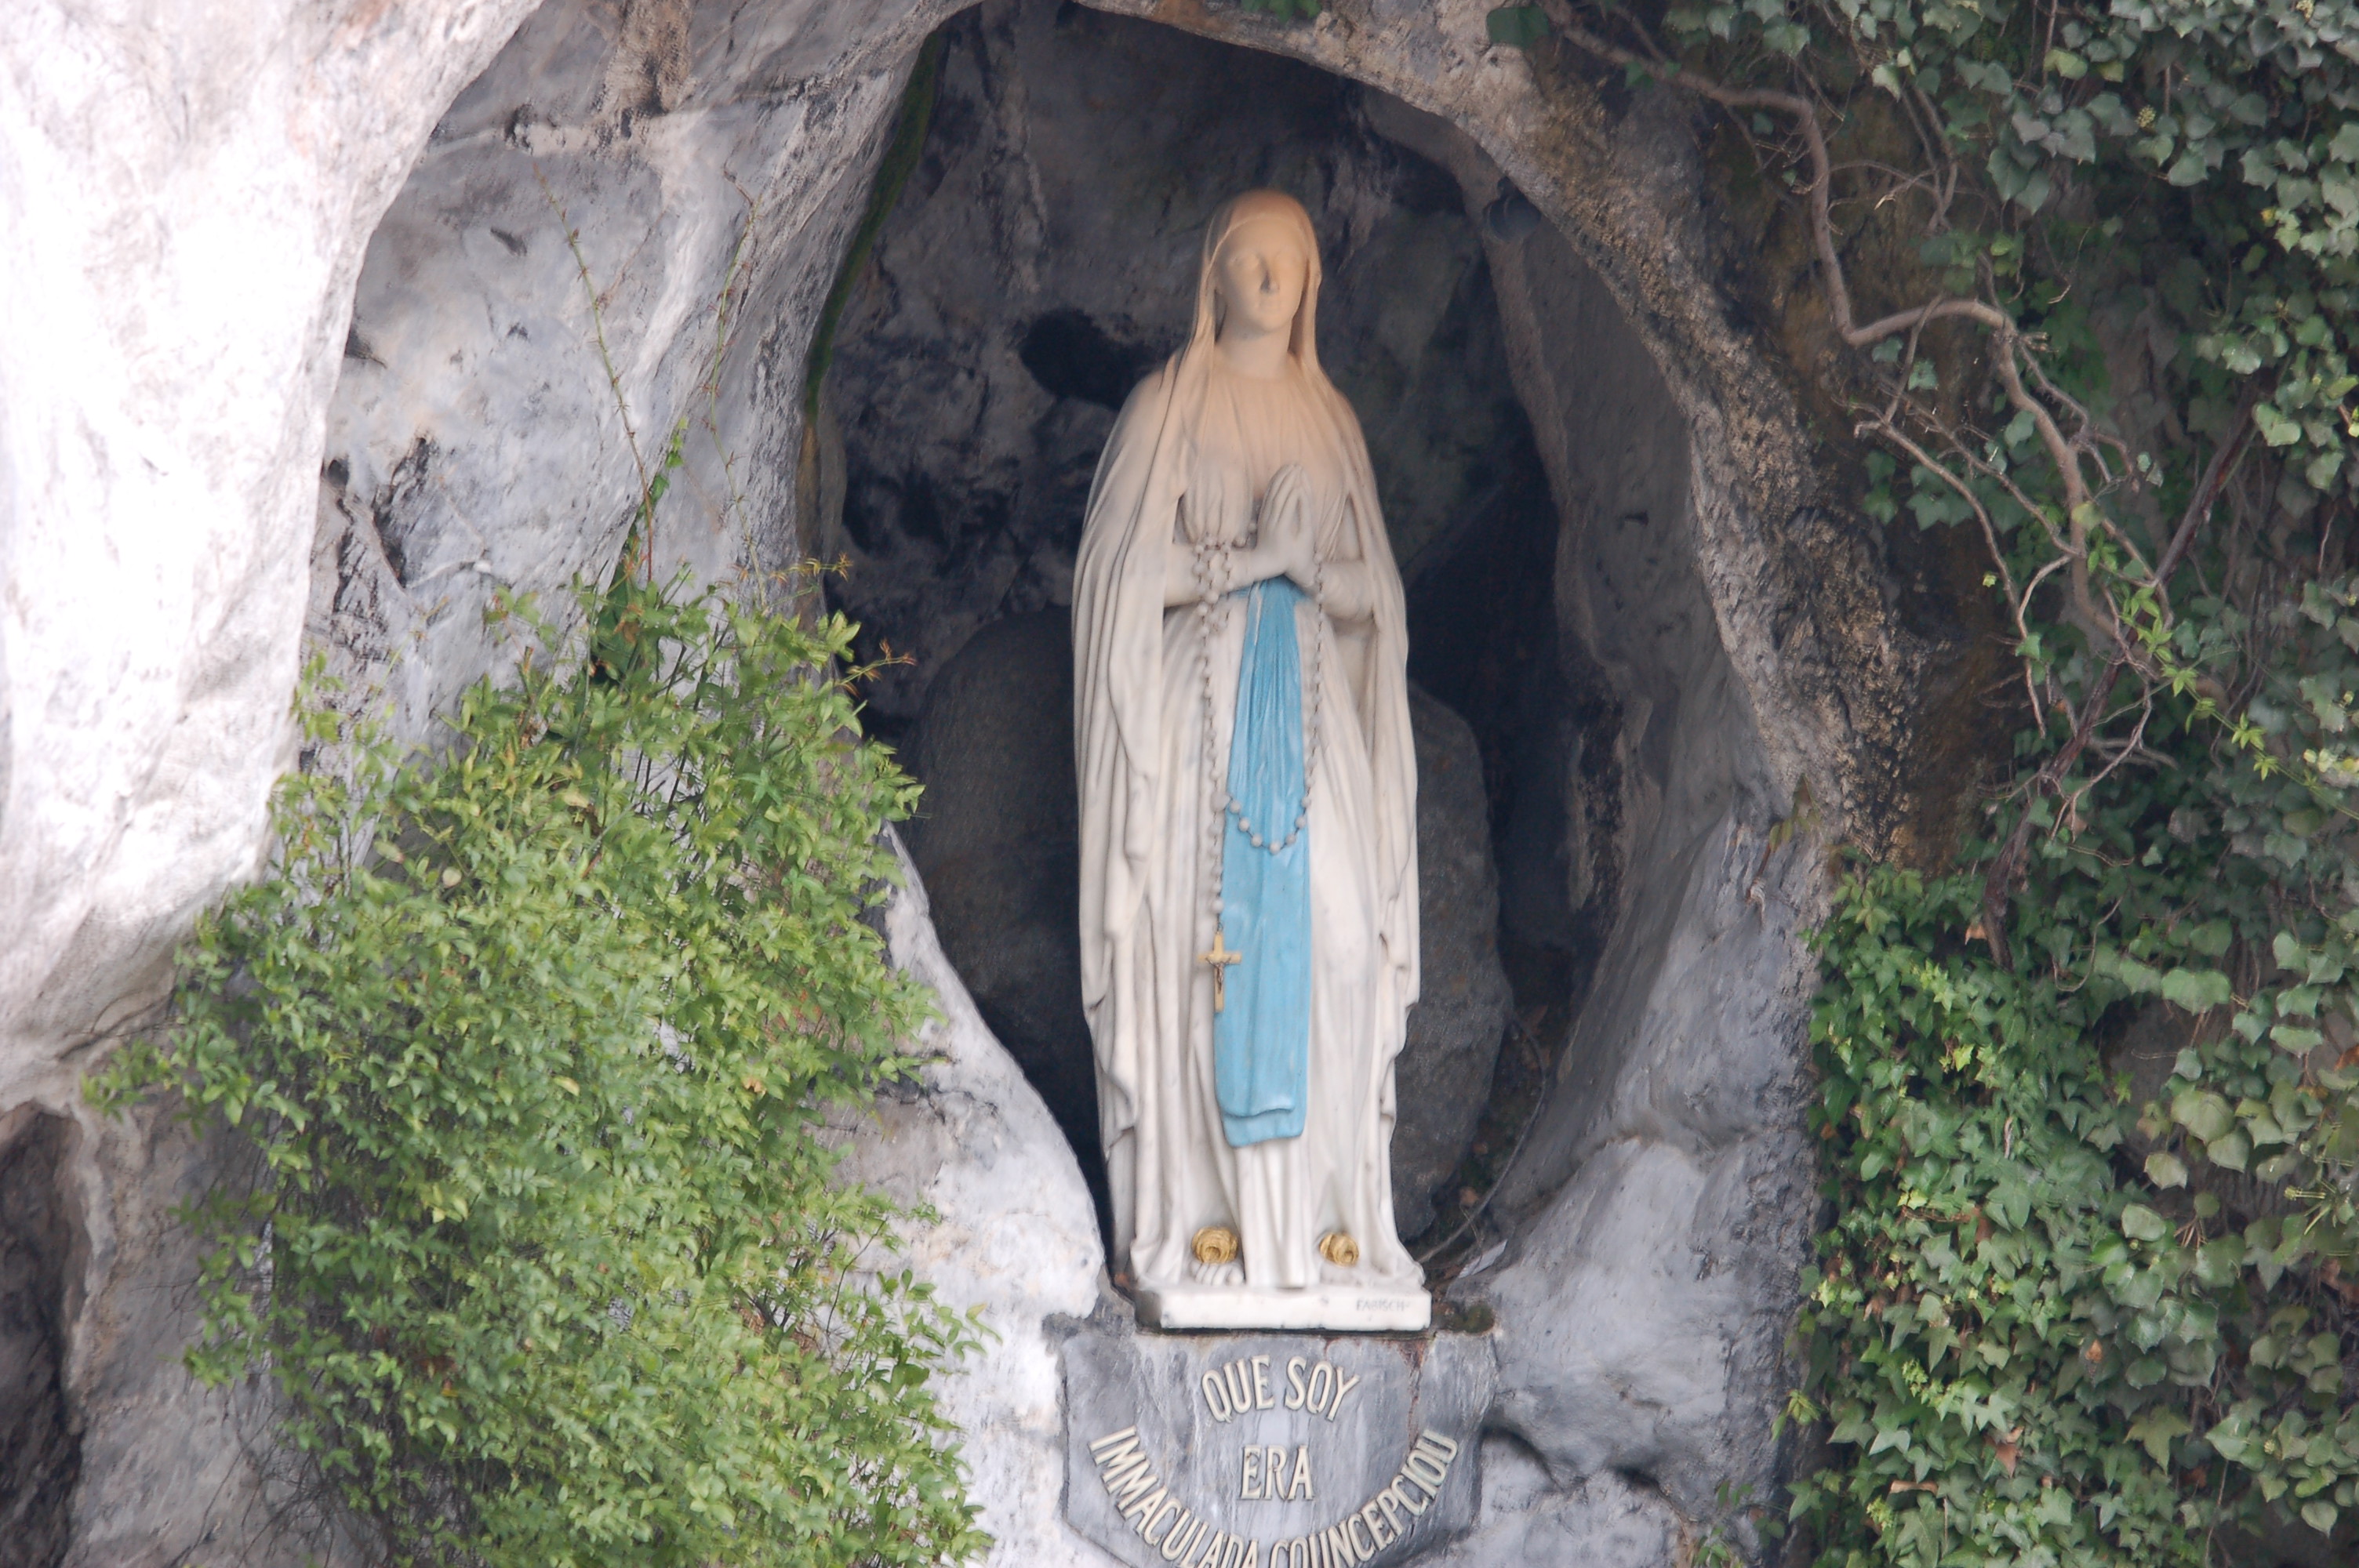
[[1302, 342], [1118, 649]]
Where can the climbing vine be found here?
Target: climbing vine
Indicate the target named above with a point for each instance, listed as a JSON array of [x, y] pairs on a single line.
[[527, 1050], [2087, 1100]]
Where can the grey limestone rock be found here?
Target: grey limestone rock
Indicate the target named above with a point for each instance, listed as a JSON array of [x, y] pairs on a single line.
[[1661, 1208], [190, 192], [1444, 1072], [1600, 1520], [308, 325], [39, 1460], [996, 840], [1011, 1238]]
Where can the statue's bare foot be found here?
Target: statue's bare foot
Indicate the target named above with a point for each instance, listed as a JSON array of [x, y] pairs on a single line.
[[1217, 1274]]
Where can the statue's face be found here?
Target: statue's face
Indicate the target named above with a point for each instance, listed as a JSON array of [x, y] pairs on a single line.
[[1260, 274]]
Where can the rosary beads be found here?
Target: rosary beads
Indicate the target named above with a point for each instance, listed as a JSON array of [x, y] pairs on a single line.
[[1215, 571]]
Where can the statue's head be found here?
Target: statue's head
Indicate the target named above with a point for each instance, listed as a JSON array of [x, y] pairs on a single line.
[[1261, 271]]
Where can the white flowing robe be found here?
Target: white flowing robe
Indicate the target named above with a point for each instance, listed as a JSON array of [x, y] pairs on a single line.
[[1147, 822]]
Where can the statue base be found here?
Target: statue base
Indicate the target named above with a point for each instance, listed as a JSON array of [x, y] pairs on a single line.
[[1277, 1450], [1341, 1307]]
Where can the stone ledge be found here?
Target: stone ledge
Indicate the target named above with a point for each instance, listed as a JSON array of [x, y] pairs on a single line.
[[1342, 1308]]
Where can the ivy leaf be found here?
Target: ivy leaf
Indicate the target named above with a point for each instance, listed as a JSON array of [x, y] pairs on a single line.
[[1517, 27], [2275, 428], [2217, 1263], [2140, 1223], [2203, 1112], [2197, 990], [1940, 1340], [2295, 1040], [2155, 1430], [1959, 1072], [2278, 1169], [2232, 1438]]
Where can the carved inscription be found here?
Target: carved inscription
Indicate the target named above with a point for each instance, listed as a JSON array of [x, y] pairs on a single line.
[[1268, 1478], [1144, 1497], [1236, 1387], [1273, 1451]]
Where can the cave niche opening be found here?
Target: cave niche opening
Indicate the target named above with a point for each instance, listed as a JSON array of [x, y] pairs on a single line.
[[1038, 262]]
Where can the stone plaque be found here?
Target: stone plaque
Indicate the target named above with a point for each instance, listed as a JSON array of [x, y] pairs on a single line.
[[1272, 1450]]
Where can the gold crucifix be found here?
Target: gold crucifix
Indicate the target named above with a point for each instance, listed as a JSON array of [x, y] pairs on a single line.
[[1220, 957]]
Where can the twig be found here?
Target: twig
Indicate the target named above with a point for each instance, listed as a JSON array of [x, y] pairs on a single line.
[[2006, 869], [614, 377], [2064, 452], [2207, 489]]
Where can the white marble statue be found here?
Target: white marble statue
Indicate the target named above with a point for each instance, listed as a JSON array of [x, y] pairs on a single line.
[[1248, 797]]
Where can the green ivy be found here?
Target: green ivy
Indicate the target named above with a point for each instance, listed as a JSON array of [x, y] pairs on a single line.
[[2089, 1100], [2248, 103], [2024, 1354], [528, 1046]]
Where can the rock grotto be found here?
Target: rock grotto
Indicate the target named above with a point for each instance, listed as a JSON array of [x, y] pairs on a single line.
[[304, 353]]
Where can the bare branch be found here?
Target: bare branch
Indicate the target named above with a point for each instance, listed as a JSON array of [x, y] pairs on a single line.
[[2006, 869], [2039, 399], [2008, 338]]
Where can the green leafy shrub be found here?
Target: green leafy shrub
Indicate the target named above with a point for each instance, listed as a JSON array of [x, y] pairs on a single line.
[[529, 1045]]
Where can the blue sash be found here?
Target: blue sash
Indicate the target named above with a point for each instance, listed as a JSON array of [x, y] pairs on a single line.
[[1261, 1039]]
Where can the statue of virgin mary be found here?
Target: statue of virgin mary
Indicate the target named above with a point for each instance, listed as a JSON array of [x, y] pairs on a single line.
[[1248, 794]]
